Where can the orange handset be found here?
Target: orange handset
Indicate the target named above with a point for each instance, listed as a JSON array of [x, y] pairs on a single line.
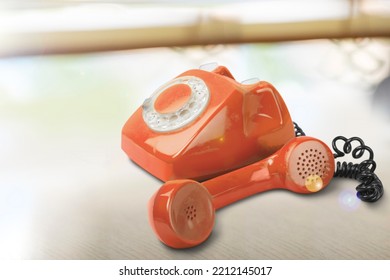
[[182, 212], [204, 123]]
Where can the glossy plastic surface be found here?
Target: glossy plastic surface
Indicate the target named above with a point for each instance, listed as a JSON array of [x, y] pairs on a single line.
[[182, 211], [240, 125], [304, 165]]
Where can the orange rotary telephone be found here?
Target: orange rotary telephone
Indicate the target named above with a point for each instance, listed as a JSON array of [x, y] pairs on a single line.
[[240, 136], [204, 123]]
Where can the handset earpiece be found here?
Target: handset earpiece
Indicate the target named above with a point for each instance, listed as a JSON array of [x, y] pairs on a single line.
[[182, 212]]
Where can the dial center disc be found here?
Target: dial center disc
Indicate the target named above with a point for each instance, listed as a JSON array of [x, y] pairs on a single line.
[[172, 99]]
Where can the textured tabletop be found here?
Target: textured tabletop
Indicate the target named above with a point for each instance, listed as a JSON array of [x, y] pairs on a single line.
[[68, 191]]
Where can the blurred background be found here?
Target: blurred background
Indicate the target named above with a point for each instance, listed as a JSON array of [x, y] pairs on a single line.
[[72, 72]]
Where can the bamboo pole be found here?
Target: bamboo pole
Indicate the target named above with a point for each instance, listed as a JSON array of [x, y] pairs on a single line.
[[204, 33]]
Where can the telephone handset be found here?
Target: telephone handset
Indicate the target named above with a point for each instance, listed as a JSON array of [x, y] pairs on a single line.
[[181, 212], [204, 123]]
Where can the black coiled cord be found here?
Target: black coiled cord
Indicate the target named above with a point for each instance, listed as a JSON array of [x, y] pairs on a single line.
[[298, 130], [371, 188]]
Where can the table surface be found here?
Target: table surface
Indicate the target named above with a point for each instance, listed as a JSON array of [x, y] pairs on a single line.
[[68, 191]]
